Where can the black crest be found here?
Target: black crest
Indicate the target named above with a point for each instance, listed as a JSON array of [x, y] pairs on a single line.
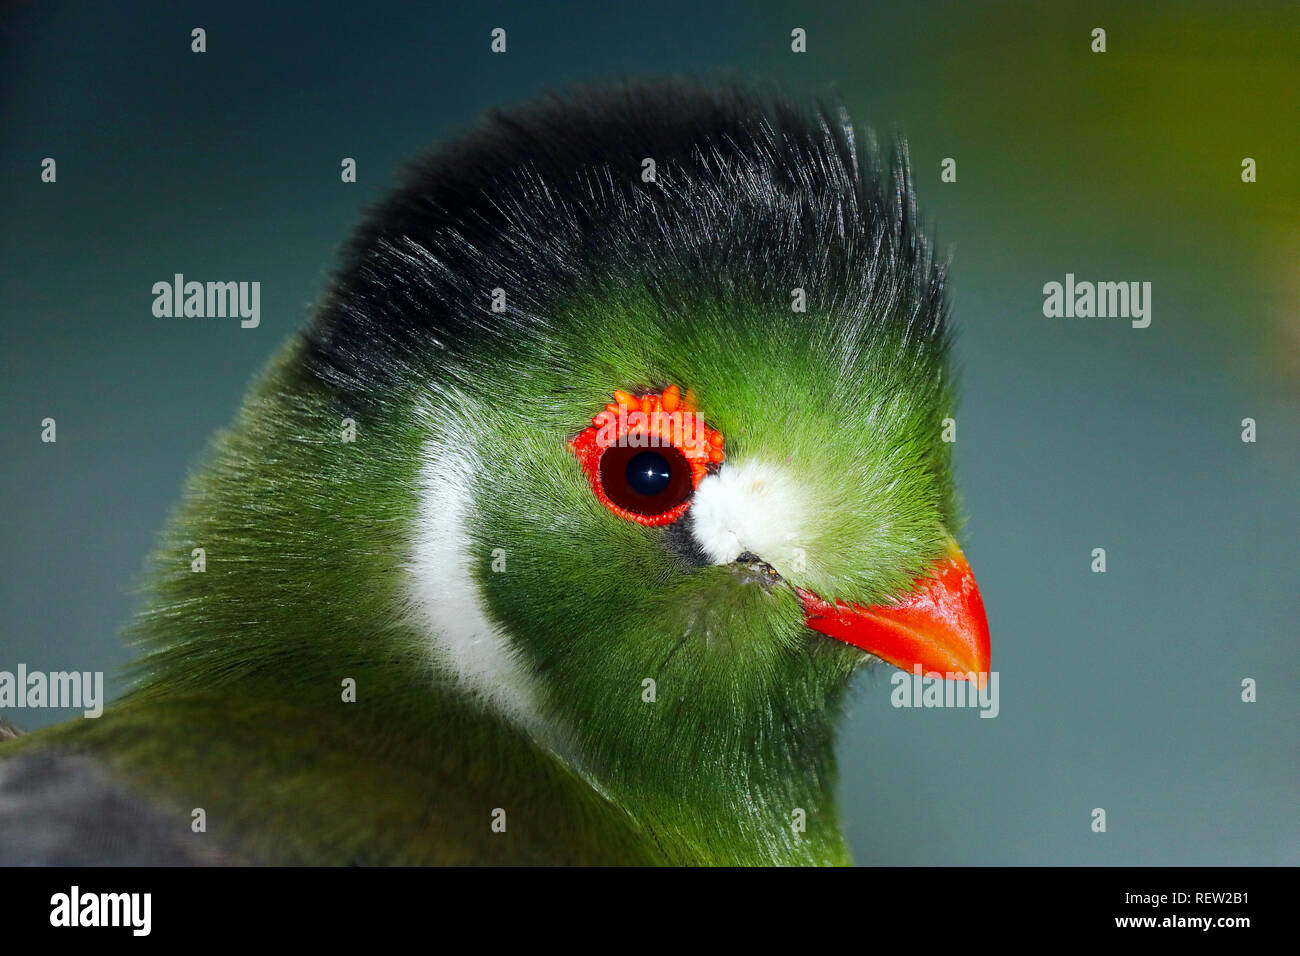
[[751, 195]]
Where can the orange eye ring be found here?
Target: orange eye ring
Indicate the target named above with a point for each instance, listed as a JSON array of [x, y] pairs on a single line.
[[656, 420]]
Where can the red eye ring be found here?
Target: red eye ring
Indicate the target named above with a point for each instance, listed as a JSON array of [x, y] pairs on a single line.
[[667, 422]]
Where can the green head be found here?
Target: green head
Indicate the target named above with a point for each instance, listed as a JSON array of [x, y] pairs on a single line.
[[749, 252]]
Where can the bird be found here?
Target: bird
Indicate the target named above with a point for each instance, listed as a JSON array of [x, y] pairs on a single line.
[[560, 530]]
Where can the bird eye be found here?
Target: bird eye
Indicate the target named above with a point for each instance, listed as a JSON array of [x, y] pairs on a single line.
[[644, 455]]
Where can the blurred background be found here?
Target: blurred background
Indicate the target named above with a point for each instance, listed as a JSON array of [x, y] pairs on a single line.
[[1119, 690]]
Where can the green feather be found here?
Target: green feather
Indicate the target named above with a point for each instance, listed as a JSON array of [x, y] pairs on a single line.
[[238, 703]]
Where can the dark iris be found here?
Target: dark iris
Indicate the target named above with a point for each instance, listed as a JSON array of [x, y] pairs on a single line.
[[648, 473], [645, 481]]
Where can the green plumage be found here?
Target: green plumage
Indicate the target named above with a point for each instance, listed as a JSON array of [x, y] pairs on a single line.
[[309, 539]]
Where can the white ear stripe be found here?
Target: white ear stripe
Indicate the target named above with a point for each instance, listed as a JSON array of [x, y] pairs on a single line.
[[443, 596]]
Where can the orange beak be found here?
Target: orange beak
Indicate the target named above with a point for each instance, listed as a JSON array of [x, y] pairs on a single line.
[[940, 626]]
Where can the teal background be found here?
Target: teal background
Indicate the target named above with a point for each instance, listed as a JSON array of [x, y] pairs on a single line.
[[1118, 690]]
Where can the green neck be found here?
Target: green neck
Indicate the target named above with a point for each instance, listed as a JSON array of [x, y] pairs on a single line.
[[414, 779], [757, 794]]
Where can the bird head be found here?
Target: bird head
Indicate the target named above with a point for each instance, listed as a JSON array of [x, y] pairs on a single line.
[[680, 363], [649, 386]]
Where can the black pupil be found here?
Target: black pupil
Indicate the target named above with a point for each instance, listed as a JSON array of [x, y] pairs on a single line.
[[648, 473]]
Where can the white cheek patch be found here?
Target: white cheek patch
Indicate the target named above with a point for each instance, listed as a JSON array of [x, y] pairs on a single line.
[[443, 595], [751, 506]]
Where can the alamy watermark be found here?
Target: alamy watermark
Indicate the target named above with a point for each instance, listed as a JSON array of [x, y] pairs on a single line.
[[654, 429], [932, 689], [75, 908], [83, 690], [209, 300], [1102, 300]]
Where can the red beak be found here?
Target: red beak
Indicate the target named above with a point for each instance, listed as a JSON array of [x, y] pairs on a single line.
[[940, 626]]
